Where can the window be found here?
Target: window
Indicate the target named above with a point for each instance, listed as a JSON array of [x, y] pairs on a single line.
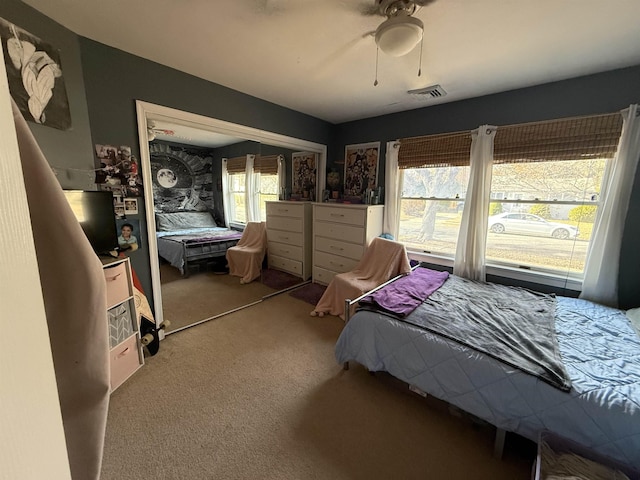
[[545, 218], [234, 190], [431, 208], [268, 181], [435, 174], [237, 210], [269, 185], [245, 193], [545, 192]]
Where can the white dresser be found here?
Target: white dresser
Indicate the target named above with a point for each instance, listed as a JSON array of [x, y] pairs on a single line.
[[289, 237], [341, 233]]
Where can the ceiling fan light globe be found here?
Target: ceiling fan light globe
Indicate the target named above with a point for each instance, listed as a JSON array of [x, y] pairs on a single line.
[[398, 35]]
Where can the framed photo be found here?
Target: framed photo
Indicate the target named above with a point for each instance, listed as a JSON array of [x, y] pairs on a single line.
[[131, 206], [360, 168], [35, 77], [304, 166], [129, 236]]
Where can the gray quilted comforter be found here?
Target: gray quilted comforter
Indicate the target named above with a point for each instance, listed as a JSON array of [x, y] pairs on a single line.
[[511, 324]]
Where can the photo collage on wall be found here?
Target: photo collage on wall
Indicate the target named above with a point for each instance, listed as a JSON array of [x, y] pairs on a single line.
[[118, 172], [304, 176], [361, 169]]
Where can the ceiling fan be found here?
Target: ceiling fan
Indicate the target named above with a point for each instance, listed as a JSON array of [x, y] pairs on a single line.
[[153, 131], [400, 32]]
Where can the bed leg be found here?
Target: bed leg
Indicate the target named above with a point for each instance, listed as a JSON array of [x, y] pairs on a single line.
[[345, 366], [498, 444]]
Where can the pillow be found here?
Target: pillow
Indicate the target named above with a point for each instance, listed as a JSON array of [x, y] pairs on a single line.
[[167, 222], [634, 316]]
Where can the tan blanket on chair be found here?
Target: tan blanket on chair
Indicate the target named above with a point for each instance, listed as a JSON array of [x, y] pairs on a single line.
[[245, 259], [383, 260]]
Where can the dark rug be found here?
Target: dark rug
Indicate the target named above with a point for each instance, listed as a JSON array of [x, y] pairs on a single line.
[[310, 293], [277, 279]]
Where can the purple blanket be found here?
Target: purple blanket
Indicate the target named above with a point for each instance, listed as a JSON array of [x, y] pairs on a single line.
[[405, 294]]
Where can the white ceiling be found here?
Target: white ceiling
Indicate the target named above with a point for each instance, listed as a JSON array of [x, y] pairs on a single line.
[[315, 56]]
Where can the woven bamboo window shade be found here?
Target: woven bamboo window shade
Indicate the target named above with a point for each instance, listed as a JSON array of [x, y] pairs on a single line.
[[443, 150], [266, 164], [236, 164], [578, 138]]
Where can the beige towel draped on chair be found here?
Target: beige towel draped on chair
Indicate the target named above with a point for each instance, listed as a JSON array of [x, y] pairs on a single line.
[[383, 260], [245, 259]]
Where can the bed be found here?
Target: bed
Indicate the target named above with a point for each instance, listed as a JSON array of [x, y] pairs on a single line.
[[596, 404], [185, 237]]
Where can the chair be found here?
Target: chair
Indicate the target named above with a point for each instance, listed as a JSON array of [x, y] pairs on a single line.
[[245, 259], [383, 260]]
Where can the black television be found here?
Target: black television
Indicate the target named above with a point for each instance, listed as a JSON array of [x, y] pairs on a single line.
[[96, 215]]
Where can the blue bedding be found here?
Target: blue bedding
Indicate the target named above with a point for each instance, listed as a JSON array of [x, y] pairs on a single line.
[[599, 349]]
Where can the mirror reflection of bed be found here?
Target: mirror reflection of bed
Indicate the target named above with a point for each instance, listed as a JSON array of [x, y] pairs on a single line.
[[191, 282]]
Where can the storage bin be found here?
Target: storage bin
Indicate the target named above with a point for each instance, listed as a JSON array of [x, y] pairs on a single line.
[[560, 445]]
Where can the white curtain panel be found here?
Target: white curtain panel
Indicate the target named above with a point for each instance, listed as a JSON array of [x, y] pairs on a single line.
[[282, 176], [226, 201], [251, 192], [600, 282], [472, 237], [392, 190]]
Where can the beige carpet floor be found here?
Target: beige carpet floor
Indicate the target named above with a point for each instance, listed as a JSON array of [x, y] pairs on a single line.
[[203, 295], [257, 394]]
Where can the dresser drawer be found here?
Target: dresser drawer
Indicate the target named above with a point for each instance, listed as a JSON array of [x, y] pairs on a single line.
[[117, 284], [287, 251], [341, 232], [285, 210], [286, 264], [334, 262], [337, 247], [124, 361], [341, 215], [121, 320], [285, 223], [322, 276], [291, 238]]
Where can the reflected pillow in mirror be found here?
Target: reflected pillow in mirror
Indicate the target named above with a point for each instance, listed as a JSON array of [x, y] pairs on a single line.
[[167, 222]]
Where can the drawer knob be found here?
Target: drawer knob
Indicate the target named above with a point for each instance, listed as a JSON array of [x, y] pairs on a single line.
[[333, 247], [111, 279], [337, 214], [123, 353]]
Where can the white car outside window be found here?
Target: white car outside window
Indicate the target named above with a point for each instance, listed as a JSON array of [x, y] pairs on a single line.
[[529, 224]]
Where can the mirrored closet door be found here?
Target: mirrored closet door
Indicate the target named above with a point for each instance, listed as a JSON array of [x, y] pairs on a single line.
[[181, 159]]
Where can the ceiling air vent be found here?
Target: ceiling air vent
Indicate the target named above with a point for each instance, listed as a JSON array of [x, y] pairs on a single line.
[[434, 91]]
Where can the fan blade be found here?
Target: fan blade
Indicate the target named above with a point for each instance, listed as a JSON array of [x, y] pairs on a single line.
[[335, 57]]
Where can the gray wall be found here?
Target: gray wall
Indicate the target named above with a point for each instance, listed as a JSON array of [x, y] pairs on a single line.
[[115, 79], [601, 93], [69, 152], [103, 84]]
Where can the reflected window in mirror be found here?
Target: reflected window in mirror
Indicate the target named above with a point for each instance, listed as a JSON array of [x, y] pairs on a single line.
[[269, 172]]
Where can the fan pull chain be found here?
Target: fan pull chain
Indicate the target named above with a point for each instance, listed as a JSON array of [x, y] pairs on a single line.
[[420, 63], [375, 83]]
